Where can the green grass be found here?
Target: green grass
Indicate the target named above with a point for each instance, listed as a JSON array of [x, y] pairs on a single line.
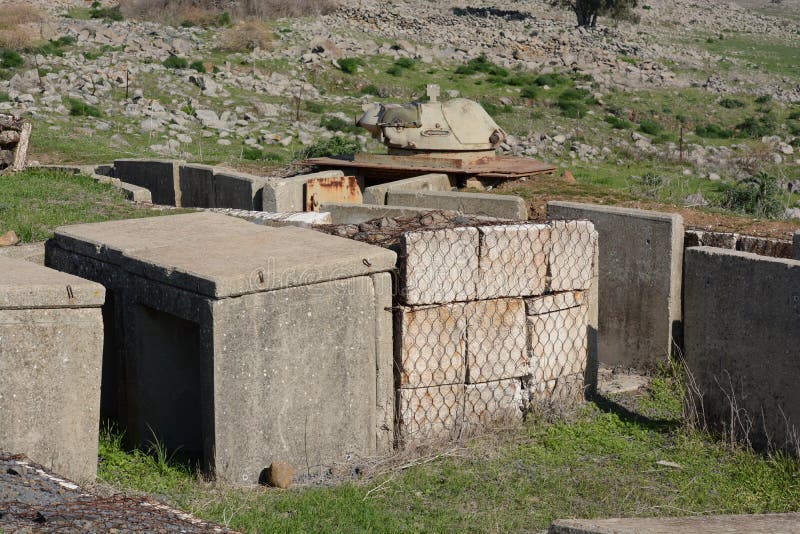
[[760, 53], [34, 202], [602, 463]]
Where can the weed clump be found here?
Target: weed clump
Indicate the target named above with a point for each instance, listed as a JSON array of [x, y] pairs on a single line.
[[617, 123], [79, 108], [400, 65], [758, 195], [349, 65], [336, 124], [198, 66], [573, 102], [335, 146], [175, 62], [756, 127], [97, 11], [483, 65], [649, 126], [10, 59], [731, 103], [713, 131]]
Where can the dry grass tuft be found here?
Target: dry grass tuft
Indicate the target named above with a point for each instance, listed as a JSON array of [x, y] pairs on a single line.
[[208, 12], [246, 36], [17, 23]]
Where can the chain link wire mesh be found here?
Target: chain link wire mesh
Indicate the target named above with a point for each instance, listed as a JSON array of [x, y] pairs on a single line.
[[491, 319], [32, 499]]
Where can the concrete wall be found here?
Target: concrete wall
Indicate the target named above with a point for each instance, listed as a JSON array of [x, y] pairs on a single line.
[[764, 246], [196, 184], [238, 190], [376, 194], [345, 213], [161, 177], [639, 288], [742, 339], [288, 194], [489, 205], [51, 342], [796, 246]]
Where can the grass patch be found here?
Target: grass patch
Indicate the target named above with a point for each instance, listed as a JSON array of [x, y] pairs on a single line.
[[349, 65], [10, 59], [175, 62], [603, 463], [36, 201], [335, 146], [335, 124], [79, 108], [713, 131], [650, 126]]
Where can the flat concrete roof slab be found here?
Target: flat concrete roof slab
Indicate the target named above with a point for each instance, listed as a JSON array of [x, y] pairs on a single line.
[[25, 285], [220, 256], [772, 523]]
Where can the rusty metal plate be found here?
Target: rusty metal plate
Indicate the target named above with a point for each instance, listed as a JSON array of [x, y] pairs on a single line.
[[338, 189]]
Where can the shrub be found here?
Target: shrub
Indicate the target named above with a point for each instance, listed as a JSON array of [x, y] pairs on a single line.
[[9, 59], [650, 126], [731, 103], [713, 131], [794, 115], [198, 66], [550, 80], [371, 89], [763, 99], [106, 13], [405, 63], [335, 146], [394, 70], [529, 92], [79, 108], [757, 127], [572, 102], [483, 65], [315, 107], [246, 36], [335, 124], [617, 123], [251, 153], [4, 97], [175, 62], [349, 65], [757, 195], [494, 109]]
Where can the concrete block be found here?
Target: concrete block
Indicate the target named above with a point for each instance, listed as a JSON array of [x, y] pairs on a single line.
[[639, 289], [430, 345], [513, 260], [431, 412], [384, 363], [51, 329], [161, 177], [496, 402], [439, 266], [288, 194], [557, 344], [32, 252], [486, 204], [335, 189], [796, 246], [196, 186], [136, 193], [238, 190], [742, 333], [233, 342], [560, 394], [706, 524], [765, 246], [376, 194], [496, 340], [571, 254], [554, 302], [345, 213]]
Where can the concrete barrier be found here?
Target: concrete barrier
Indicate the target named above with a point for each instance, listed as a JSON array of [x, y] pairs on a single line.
[[233, 342], [639, 287], [763, 246], [238, 190], [376, 194], [346, 213], [497, 206], [196, 184], [51, 346], [161, 177], [796, 245], [742, 341], [288, 194]]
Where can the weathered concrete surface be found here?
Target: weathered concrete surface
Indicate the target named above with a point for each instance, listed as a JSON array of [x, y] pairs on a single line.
[[430, 412], [335, 189], [238, 190], [742, 333], [301, 219], [571, 254], [288, 194], [161, 177], [376, 194], [557, 344], [764, 246], [513, 260], [493, 402], [51, 342], [430, 347], [196, 184], [229, 340], [796, 245], [486, 204], [439, 266], [135, 193], [742, 524], [345, 213], [384, 359], [32, 252], [496, 340], [244, 258], [639, 290]]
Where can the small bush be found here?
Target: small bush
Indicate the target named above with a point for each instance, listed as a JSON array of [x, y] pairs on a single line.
[[175, 62], [756, 127], [106, 13], [394, 70], [763, 99], [495, 110], [252, 153], [198, 66], [335, 146], [405, 63], [758, 195], [79, 108], [713, 131], [794, 115], [573, 102], [371, 89], [335, 124], [315, 107], [4, 97], [483, 65], [246, 36], [551, 80], [617, 123], [650, 126], [349, 65], [731, 103], [529, 92], [10, 59]]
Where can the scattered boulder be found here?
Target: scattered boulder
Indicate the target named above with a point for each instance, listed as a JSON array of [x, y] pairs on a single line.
[[8, 239], [278, 475]]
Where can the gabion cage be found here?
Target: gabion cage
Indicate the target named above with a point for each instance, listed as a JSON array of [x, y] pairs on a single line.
[[491, 320]]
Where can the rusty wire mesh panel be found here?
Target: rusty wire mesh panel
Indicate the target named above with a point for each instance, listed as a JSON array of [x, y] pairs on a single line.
[[33, 499], [491, 318]]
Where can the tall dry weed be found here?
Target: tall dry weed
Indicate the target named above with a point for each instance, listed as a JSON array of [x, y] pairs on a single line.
[[19, 25], [207, 12]]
